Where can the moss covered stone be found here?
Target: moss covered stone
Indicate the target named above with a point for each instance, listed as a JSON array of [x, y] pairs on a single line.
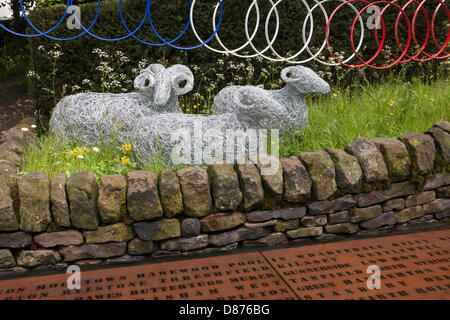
[[34, 193], [346, 227], [321, 170], [8, 220], [251, 186], [82, 191], [271, 173], [284, 225], [396, 158], [296, 180], [118, 232], [304, 232], [6, 259], [58, 198], [421, 151], [195, 189], [138, 246], [158, 230], [34, 258], [409, 214], [347, 169], [222, 221], [363, 214], [170, 193], [442, 143], [224, 184], [142, 196], [112, 198], [372, 163], [11, 157]]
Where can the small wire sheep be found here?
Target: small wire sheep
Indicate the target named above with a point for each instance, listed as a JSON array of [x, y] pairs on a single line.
[[300, 82]]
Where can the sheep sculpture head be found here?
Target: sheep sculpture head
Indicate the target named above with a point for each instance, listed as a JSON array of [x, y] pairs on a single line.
[[304, 80], [164, 85]]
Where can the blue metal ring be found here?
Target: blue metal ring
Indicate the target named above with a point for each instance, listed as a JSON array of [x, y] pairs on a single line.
[[40, 33], [187, 48], [147, 10], [114, 39]]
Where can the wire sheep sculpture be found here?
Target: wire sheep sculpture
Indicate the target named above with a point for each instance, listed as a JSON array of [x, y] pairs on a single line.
[[171, 136], [235, 109], [92, 118], [300, 82]]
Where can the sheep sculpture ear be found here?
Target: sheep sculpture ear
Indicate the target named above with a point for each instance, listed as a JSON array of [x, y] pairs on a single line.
[[146, 79], [182, 79]]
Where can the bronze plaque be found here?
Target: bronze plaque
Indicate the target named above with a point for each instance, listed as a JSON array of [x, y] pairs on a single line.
[[237, 276], [412, 266]]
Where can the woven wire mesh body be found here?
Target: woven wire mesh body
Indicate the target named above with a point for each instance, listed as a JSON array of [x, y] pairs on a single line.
[[96, 118], [300, 82], [191, 139]]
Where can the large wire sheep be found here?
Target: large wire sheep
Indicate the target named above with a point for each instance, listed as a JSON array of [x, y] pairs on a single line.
[[93, 118]]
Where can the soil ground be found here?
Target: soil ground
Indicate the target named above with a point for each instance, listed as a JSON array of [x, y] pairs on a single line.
[[15, 104]]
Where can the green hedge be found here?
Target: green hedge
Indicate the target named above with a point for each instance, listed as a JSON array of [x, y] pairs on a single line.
[[78, 62]]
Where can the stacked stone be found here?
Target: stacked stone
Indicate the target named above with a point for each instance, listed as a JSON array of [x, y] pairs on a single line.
[[373, 186]]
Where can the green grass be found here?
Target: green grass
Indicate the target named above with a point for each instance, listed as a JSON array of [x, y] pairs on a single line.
[[387, 110]]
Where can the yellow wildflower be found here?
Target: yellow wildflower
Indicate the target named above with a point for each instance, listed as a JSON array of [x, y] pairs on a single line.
[[335, 94], [391, 114], [125, 160], [126, 147]]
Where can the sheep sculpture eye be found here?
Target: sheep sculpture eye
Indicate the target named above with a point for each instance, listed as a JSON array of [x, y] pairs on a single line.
[[147, 82], [182, 83]]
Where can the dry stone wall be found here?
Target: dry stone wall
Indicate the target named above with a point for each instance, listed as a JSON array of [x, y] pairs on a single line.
[[372, 186]]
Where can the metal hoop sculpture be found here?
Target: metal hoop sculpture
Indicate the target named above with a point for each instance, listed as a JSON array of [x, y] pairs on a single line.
[[269, 52]]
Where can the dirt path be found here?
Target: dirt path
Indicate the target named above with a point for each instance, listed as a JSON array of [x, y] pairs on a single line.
[[15, 104]]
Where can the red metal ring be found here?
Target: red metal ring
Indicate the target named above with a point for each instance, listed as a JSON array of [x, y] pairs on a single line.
[[367, 63], [327, 33]]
